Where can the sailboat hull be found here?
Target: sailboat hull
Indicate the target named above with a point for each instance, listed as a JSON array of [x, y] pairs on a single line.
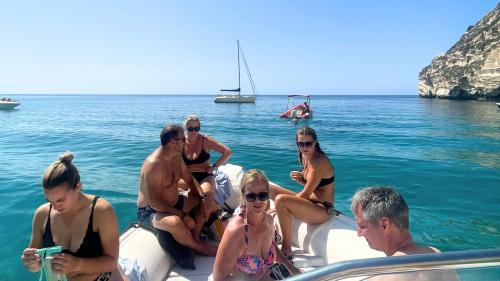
[[234, 99]]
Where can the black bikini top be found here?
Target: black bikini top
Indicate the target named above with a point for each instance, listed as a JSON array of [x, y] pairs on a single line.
[[202, 157], [91, 246], [323, 182]]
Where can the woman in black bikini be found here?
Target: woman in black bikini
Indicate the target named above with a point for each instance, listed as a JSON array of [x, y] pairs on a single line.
[[84, 225], [314, 204], [196, 155]]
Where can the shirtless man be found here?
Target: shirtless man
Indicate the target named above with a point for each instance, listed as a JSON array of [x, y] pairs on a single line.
[[381, 214], [160, 200]]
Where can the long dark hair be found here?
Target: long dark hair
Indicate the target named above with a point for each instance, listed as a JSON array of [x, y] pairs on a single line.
[[308, 131]]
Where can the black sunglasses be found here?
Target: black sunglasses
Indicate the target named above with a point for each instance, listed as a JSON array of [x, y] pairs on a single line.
[[305, 143], [251, 197], [193, 129]]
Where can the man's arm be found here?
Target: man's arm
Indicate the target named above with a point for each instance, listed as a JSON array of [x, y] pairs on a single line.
[[157, 198]]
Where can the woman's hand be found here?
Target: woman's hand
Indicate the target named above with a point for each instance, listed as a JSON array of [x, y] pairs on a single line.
[[188, 221], [296, 176], [64, 263], [210, 169], [31, 259]]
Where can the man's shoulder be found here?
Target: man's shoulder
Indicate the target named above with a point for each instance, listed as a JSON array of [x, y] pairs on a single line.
[[154, 161], [418, 250]]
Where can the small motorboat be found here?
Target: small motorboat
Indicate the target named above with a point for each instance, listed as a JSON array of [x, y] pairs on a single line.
[[498, 104], [296, 110], [8, 103]]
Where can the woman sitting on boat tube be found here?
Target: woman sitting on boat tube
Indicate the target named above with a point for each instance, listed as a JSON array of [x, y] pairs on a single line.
[[248, 248], [196, 155], [84, 225], [314, 204]]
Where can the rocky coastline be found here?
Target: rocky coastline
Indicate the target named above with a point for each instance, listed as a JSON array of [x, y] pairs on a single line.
[[470, 69]]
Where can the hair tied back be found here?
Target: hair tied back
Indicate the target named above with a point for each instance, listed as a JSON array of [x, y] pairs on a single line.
[[66, 157]]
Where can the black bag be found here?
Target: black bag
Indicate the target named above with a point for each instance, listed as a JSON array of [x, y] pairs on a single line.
[[279, 271], [182, 255]]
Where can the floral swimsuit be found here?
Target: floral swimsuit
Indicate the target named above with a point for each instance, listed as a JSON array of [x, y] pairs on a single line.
[[252, 264]]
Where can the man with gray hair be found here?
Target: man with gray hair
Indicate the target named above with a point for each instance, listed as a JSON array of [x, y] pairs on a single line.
[[382, 217]]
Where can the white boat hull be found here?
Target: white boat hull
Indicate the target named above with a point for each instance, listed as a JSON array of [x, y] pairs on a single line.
[[313, 245], [234, 99], [7, 105]]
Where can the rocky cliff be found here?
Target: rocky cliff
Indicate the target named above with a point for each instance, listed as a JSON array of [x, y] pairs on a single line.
[[471, 68]]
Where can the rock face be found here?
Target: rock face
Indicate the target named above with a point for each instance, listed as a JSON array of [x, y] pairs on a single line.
[[471, 68]]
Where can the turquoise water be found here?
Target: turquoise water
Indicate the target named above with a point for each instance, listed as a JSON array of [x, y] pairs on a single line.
[[443, 156]]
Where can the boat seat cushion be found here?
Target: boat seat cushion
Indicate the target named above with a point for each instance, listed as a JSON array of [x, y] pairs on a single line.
[[183, 256]]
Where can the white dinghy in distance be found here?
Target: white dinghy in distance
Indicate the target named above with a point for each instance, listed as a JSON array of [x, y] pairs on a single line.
[[8, 104], [234, 95]]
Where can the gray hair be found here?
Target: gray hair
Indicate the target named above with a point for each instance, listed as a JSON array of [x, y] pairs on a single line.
[[379, 202], [191, 117]]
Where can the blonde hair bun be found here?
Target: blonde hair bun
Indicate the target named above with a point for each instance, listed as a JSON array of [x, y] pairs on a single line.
[[66, 157]]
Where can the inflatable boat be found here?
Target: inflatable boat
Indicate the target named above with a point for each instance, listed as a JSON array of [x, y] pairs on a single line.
[[313, 245]]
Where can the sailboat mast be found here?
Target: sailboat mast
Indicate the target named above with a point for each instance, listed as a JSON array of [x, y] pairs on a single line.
[[239, 76]]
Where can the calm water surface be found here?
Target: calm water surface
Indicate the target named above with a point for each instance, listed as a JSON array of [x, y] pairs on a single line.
[[443, 156]]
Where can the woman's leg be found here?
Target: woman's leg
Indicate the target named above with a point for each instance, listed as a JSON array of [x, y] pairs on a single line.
[[275, 189], [289, 206], [176, 227], [208, 187]]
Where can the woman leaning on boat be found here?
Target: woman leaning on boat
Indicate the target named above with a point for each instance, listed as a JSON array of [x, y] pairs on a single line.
[[314, 203], [196, 155], [84, 225]]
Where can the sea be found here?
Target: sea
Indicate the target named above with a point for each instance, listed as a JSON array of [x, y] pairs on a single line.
[[443, 156]]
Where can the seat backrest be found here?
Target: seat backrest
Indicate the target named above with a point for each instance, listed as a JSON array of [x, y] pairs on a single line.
[[235, 174], [335, 240]]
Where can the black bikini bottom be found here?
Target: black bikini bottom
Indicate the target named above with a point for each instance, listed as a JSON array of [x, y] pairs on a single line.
[[326, 205], [200, 176]]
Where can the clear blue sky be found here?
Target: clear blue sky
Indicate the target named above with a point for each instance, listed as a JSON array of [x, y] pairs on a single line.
[[189, 47]]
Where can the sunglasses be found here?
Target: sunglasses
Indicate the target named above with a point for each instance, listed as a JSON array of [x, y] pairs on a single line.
[[251, 197], [193, 129], [305, 143]]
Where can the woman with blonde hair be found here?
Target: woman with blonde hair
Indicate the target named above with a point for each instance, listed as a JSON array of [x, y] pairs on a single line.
[[247, 247], [196, 155], [84, 225]]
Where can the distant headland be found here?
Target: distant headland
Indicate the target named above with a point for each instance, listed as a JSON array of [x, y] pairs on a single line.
[[470, 69]]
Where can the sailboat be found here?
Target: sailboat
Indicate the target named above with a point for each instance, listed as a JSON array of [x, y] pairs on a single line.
[[234, 95]]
